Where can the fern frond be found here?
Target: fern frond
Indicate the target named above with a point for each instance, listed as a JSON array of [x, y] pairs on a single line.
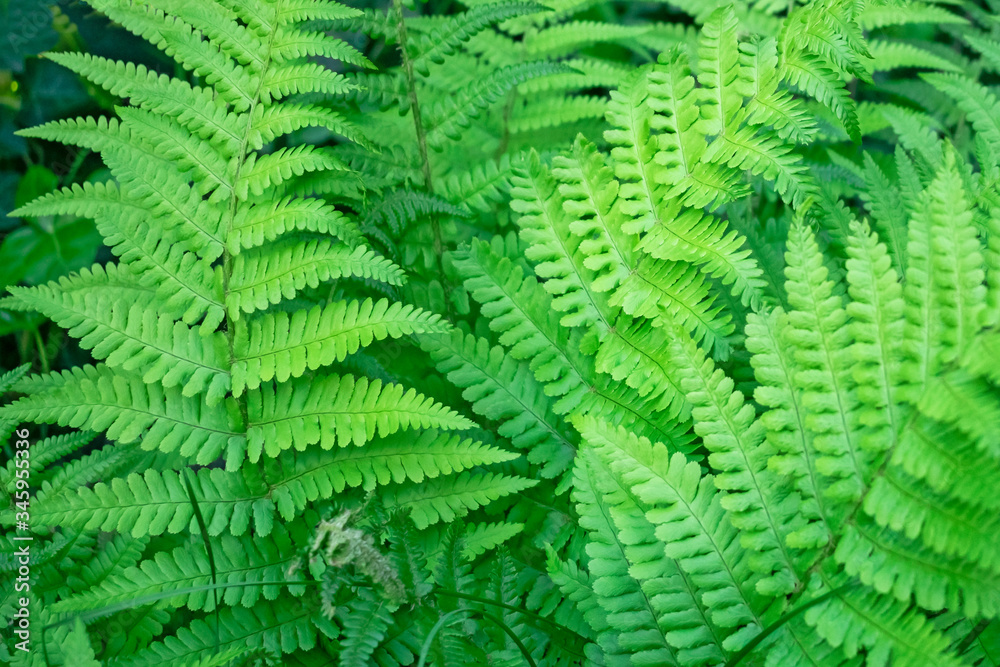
[[979, 104], [265, 221], [123, 552], [718, 59], [781, 390], [366, 620], [269, 171], [237, 560], [943, 293], [760, 507], [806, 72], [455, 113], [889, 55], [563, 39], [156, 503], [436, 44], [768, 104], [194, 107], [876, 312], [822, 348], [628, 609], [889, 630], [880, 16], [671, 592]]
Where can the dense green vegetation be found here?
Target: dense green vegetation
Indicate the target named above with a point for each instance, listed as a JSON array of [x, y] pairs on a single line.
[[501, 333]]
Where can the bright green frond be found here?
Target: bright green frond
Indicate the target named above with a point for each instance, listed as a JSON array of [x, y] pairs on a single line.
[[283, 346], [337, 411], [691, 523], [277, 272], [445, 499], [127, 409]]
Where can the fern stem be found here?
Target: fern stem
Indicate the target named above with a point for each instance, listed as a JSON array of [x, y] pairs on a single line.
[[769, 630], [425, 649], [43, 357], [505, 137], [208, 550], [418, 125], [411, 90], [227, 260], [508, 607], [973, 636]]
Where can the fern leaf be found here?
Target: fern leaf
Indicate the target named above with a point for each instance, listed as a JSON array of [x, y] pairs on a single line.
[[278, 272], [101, 464], [718, 57], [181, 42], [448, 499], [187, 288], [880, 16], [704, 241], [482, 537], [890, 631], [577, 587], [671, 592], [455, 113], [237, 560], [944, 293], [133, 337], [123, 552], [194, 107], [794, 455], [294, 44], [978, 103], [97, 399], [398, 458], [876, 312], [281, 346], [366, 620], [337, 411], [271, 170], [503, 390], [302, 78], [806, 72], [277, 628], [266, 221], [889, 220], [269, 122], [156, 503], [769, 105], [889, 55]]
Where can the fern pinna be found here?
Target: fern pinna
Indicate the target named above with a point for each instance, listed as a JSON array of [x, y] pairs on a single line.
[[217, 336]]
